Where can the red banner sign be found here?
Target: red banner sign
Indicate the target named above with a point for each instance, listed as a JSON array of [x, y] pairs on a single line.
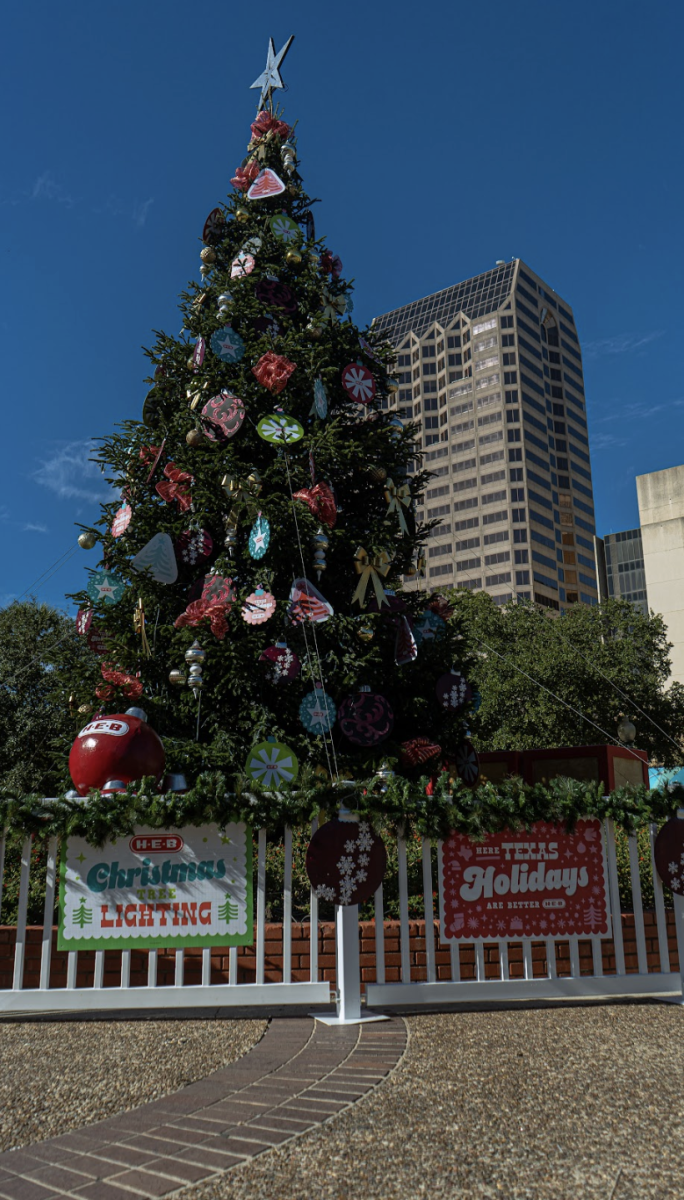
[[533, 884]]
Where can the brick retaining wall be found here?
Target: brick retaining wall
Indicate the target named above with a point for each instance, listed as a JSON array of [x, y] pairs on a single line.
[[326, 956]]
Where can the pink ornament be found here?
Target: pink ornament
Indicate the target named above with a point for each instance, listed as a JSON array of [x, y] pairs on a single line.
[[223, 415], [358, 381], [282, 663], [122, 519], [198, 354], [242, 265], [266, 184], [258, 607]]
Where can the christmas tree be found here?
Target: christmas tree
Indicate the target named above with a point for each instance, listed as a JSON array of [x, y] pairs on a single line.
[[250, 581]]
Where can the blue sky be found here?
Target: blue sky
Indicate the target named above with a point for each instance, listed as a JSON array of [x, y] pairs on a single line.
[[439, 138]]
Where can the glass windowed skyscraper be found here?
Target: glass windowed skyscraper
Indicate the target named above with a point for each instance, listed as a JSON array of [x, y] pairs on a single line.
[[491, 369]]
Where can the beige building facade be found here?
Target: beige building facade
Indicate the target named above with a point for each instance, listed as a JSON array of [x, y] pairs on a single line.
[[491, 371], [661, 515]]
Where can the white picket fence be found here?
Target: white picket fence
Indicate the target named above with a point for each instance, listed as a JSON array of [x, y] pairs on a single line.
[[408, 991]]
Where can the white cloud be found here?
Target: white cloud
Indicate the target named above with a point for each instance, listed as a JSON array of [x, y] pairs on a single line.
[[46, 187], [31, 528], [71, 475], [136, 210], [621, 343]]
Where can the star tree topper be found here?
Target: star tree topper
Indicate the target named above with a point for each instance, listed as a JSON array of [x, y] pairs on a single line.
[[271, 79]]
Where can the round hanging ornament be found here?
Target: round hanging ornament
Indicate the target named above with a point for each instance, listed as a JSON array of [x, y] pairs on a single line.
[[284, 228], [272, 763], [122, 746], [427, 626], [345, 862], [453, 690], [273, 294], [358, 382], [242, 265], [222, 416], [214, 227], [258, 607], [194, 546], [282, 664], [227, 344], [105, 587], [122, 519], [280, 429], [259, 537], [318, 711], [366, 719]]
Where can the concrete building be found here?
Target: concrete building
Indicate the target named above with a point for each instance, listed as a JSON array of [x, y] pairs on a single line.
[[491, 369], [661, 515], [620, 568]]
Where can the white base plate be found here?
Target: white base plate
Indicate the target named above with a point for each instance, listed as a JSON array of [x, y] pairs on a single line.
[[325, 1019]]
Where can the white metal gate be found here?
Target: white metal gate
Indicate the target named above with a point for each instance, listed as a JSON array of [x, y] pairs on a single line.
[[409, 990]]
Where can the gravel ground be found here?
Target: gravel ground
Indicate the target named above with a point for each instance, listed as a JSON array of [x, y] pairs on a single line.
[[571, 1104], [62, 1075]]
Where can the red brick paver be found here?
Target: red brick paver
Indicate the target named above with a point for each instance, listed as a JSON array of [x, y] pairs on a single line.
[[289, 1083]]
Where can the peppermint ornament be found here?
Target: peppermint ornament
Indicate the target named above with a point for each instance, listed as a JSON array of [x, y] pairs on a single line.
[[227, 344], [284, 228], [668, 852], [453, 690], [318, 711], [307, 604], [366, 719], [222, 416], [281, 663], [259, 537], [279, 429], [358, 382], [214, 227], [271, 763], [242, 265], [345, 862], [266, 184], [258, 607], [467, 763], [418, 750], [158, 558], [427, 626], [122, 519], [105, 587], [320, 400], [194, 546]]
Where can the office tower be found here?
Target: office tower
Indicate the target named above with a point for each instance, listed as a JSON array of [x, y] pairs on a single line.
[[491, 370], [661, 515], [620, 568]]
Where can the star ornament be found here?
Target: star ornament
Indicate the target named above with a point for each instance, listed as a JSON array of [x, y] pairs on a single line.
[[271, 79]]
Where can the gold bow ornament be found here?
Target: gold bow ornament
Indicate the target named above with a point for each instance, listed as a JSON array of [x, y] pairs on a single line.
[[139, 627], [398, 498], [333, 306], [370, 569], [241, 491]]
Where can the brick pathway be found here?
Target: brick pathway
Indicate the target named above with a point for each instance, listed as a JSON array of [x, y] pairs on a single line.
[[299, 1075]]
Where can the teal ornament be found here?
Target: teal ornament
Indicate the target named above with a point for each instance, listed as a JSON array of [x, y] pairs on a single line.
[[259, 537], [476, 702], [284, 228], [429, 625], [227, 344], [320, 402], [272, 763], [318, 711], [280, 429], [103, 587]]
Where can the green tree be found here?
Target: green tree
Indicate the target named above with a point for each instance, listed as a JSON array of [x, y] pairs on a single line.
[[578, 657], [39, 651], [269, 324]]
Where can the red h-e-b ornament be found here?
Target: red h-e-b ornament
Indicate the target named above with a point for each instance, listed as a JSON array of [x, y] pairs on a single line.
[[122, 746]]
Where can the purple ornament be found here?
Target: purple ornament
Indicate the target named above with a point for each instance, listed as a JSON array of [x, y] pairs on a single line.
[[453, 690], [366, 719]]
